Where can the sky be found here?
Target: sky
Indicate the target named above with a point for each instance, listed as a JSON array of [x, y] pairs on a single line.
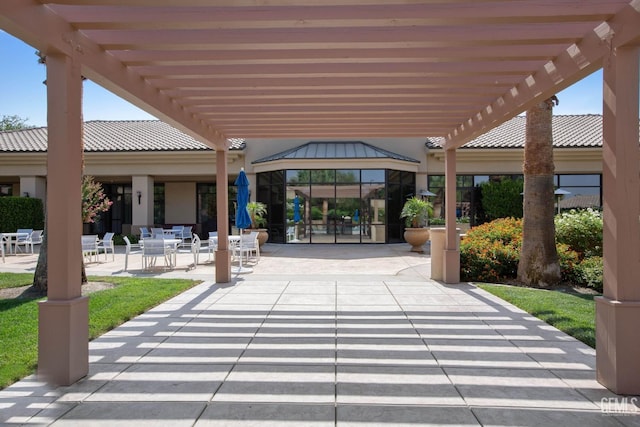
[[22, 92]]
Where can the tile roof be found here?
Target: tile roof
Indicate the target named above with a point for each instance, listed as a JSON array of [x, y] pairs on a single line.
[[335, 150], [109, 136], [569, 131]]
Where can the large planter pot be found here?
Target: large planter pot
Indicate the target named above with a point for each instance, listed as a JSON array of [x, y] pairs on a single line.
[[416, 237], [263, 236]]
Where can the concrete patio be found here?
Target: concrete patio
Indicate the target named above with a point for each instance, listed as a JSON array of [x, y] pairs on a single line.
[[325, 335]]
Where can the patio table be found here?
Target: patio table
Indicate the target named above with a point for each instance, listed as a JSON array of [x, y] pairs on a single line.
[[10, 239]]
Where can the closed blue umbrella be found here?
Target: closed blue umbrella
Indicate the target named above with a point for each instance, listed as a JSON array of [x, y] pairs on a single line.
[[356, 216], [243, 219], [296, 209]]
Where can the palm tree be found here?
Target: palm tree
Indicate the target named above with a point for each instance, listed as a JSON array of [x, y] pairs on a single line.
[[538, 264]]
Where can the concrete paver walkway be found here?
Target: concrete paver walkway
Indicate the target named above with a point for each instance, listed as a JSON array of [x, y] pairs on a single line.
[[326, 336]]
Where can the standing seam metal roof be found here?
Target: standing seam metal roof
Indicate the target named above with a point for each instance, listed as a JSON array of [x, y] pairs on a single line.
[[335, 150]]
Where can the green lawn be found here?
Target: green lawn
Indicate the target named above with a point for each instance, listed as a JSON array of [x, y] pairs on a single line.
[[572, 313], [107, 309]]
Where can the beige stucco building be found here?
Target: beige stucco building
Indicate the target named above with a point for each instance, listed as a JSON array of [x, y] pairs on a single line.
[[158, 175]]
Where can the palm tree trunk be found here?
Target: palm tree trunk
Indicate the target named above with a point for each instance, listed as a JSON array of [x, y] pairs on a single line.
[[538, 265]]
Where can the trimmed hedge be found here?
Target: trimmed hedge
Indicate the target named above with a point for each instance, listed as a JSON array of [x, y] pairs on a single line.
[[21, 212]]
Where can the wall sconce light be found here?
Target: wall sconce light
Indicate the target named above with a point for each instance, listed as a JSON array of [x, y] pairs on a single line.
[[139, 193], [26, 194]]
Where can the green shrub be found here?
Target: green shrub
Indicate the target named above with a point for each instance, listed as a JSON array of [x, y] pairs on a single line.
[[490, 252], [590, 272], [569, 261], [21, 212], [581, 230], [502, 199]]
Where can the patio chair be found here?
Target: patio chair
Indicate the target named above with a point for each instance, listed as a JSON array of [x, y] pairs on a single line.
[[90, 247], [36, 238], [132, 248], [2, 246], [106, 244], [186, 233], [157, 233], [144, 233], [211, 245], [177, 231], [24, 240], [152, 249], [248, 244]]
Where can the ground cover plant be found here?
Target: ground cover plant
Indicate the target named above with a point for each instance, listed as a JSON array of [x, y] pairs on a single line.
[[571, 312], [108, 308]]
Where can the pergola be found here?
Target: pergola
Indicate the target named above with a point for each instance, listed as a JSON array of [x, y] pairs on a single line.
[[219, 69]]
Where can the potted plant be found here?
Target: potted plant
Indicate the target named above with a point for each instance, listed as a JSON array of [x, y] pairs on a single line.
[[257, 212], [416, 213]]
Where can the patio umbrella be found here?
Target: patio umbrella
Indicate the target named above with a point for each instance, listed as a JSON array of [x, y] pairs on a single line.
[[356, 216], [296, 217], [296, 209], [243, 219]]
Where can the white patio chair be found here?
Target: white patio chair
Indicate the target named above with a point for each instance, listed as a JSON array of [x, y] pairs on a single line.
[[36, 238], [106, 244], [24, 240], [248, 245], [157, 233], [2, 242], [90, 247], [151, 250], [144, 233], [211, 245], [177, 231], [186, 233], [132, 248]]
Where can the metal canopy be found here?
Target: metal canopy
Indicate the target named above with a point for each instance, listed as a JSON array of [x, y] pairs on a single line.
[[330, 68]]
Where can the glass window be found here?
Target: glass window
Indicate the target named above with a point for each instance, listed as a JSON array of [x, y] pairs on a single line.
[[296, 176], [348, 176], [579, 180], [320, 176], [479, 179], [435, 181], [158, 204], [6, 190], [372, 175]]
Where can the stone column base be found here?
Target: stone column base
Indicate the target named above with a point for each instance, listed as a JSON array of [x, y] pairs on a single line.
[[617, 345], [223, 266], [63, 340], [451, 271]]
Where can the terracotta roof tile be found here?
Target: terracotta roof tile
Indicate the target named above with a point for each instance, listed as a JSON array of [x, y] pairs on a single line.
[[569, 131], [135, 135]]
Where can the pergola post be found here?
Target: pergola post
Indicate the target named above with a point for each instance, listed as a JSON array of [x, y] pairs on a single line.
[[63, 339], [451, 256], [618, 310], [223, 256]]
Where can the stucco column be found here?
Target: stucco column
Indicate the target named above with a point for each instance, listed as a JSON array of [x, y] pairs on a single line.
[[33, 186], [451, 256], [618, 310], [63, 338], [142, 202], [223, 256]]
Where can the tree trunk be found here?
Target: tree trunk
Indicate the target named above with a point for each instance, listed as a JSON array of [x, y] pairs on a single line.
[[538, 264], [40, 279], [40, 276]]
